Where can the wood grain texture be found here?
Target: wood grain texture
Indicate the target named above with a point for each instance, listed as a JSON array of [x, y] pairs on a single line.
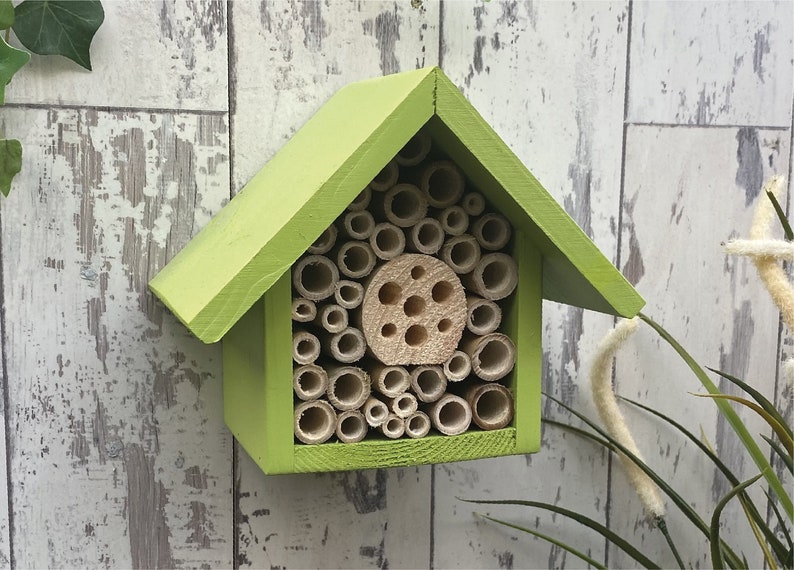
[[5, 483], [695, 179], [704, 63], [118, 454], [549, 78], [166, 55], [287, 59]]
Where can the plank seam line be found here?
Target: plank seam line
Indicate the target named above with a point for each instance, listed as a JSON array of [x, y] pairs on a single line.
[[704, 126], [6, 410], [111, 109]]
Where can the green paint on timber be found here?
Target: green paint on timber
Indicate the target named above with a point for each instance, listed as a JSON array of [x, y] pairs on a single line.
[[370, 454], [254, 240]]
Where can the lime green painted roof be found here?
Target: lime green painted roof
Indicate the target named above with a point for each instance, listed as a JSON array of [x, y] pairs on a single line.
[[236, 258]]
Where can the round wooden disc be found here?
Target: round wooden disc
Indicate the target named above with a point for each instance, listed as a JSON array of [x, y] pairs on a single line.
[[414, 311]]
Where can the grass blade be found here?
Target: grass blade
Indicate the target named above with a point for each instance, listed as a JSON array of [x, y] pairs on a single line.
[[590, 561], [781, 216], [787, 461], [610, 535], [714, 529], [782, 524], [732, 417]]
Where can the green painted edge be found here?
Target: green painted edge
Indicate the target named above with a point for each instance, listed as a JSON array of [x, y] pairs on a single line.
[[575, 270], [256, 237], [371, 454]]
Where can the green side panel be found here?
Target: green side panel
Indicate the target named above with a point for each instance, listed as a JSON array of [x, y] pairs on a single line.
[[371, 454], [286, 206], [575, 272]]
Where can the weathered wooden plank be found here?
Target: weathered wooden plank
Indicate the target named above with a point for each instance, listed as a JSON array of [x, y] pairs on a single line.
[[5, 481], [118, 450], [549, 78], [288, 58], [711, 63], [688, 190], [168, 55]]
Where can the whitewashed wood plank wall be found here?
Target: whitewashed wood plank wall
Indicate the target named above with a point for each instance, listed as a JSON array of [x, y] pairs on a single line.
[[654, 123]]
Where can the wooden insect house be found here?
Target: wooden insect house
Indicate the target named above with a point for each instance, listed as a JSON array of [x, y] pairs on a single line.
[[378, 286]]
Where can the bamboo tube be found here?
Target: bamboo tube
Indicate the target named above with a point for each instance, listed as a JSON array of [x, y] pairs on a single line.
[[355, 259], [451, 415], [361, 201], [332, 318], [426, 236], [345, 346], [386, 178], [305, 347], [315, 277], [351, 426], [414, 311], [473, 203], [492, 231], [417, 425], [314, 421], [391, 381], [495, 276], [375, 411], [458, 367], [309, 381], [348, 387], [428, 382], [492, 356], [393, 427], [461, 253], [358, 225], [482, 316], [415, 150], [348, 294], [454, 220], [404, 205], [325, 242], [403, 405], [387, 241], [491, 405], [442, 183], [303, 310]]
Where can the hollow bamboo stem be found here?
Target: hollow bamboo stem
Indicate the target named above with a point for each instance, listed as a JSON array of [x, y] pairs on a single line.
[[491, 405], [492, 231], [361, 201], [314, 421], [458, 367], [417, 425], [309, 381], [426, 236], [386, 178], [303, 310], [415, 150], [454, 220], [403, 405], [442, 183], [325, 242], [451, 415], [351, 427], [404, 205], [305, 347], [495, 276], [428, 382], [393, 427], [391, 381], [315, 277], [482, 316], [358, 225], [355, 259], [375, 411], [387, 241], [348, 294], [493, 356], [345, 346], [473, 203], [348, 387], [461, 253], [332, 318]]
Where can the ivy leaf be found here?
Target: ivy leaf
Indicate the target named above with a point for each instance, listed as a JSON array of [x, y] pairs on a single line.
[[6, 14], [11, 61], [59, 27], [10, 163]]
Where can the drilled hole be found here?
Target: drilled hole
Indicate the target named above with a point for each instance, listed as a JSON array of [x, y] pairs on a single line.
[[444, 325], [414, 306], [390, 293], [442, 291], [387, 330], [417, 272], [416, 335]]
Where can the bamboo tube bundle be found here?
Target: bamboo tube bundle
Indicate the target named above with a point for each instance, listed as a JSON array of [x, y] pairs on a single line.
[[303, 310], [387, 241], [415, 150], [454, 220], [348, 387], [404, 205], [325, 242], [450, 414], [428, 382], [375, 411], [351, 427], [393, 427], [482, 316], [403, 405], [426, 236], [494, 277], [442, 183], [386, 178], [492, 231], [417, 425], [345, 346], [491, 405], [315, 421], [391, 381], [461, 253], [473, 203], [332, 318], [361, 201], [309, 381], [348, 294], [492, 356], [305, 347], [355, 259], [358, 224], [458, 367], [315, 277]]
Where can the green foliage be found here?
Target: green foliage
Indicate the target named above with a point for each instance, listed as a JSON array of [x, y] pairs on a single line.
[[10, 163], [59, 27], [11, 61], [6, 14]]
